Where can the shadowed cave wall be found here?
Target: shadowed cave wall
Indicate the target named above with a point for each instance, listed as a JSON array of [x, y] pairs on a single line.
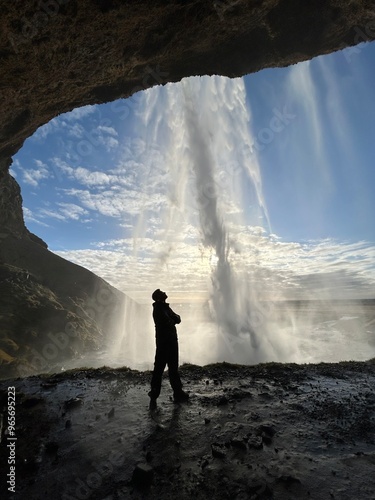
[[56, 55]]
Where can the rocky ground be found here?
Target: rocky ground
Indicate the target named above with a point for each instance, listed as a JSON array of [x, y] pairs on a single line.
[[278, 431]]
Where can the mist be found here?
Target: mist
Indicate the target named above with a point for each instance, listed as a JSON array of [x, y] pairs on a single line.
[[212, 200]]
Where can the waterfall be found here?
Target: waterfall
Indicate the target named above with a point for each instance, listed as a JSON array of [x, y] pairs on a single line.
[[210, 186]]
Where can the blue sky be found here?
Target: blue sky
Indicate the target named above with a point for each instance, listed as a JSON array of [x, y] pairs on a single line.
[[84, 180]]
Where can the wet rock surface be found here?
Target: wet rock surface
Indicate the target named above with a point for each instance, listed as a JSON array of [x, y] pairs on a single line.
[[90, 434]]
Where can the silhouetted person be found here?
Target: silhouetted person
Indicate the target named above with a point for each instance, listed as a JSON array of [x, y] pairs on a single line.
[[166, 349]]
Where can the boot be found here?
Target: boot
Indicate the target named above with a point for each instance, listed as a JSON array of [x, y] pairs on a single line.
[[180, 396]]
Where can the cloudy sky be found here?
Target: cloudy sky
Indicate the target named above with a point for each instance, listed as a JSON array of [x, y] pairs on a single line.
[[280, 164]]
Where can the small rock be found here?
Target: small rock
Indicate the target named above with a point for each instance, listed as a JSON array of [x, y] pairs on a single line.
[[238, 443], [268, 429], [207, 382], [48, 385], [207, 421], [223, 400], [255, 442], [111, 413], [218, 451], [265, 395], [266, 439], [143, 475], [204, 463], [288, 480], [73, 403], [260, 490], [68, 424]]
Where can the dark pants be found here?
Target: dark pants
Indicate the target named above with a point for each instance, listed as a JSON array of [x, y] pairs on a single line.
[[166, 354]]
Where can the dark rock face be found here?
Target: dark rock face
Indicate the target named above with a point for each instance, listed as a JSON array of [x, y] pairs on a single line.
[[60, 54], [50, 309], [11, 215], [56, 55]]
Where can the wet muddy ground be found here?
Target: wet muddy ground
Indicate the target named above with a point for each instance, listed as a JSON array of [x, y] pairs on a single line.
[[269, 431]]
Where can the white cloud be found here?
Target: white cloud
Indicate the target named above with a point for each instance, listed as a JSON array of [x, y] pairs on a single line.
[[34, 176], [76, 131], [109, 142], [31, 217], [63, 121], [111, 204], [43, 131], [79, 113], [72, 211], [276, 269], [46, 213], [107, 130]]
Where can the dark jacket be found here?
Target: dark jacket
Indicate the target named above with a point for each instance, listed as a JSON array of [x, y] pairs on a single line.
[[165, 320]]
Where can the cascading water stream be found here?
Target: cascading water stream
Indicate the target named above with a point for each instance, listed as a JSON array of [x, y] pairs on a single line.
[[216, 188]]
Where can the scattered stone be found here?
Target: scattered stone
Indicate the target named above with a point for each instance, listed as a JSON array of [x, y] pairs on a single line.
[[143, 475], [265, 395], [223, 400], [238, 443], [239, 394], [72, 403], [268, 429], [255, 442], [218, 451], [111, 413], [260, 490], [266, 432], [207, 421], [68, 424], [288, 480], [207, 382], [204, 463], [48, 385], [266, 439]]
